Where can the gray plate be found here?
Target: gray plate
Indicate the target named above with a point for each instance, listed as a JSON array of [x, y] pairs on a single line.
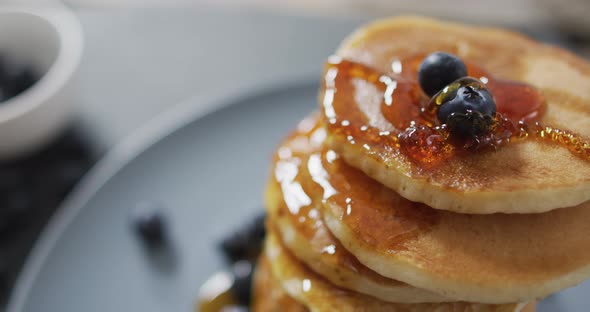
[[209, 173]]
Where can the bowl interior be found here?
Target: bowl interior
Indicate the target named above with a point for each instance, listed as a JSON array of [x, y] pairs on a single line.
[[28, 39]]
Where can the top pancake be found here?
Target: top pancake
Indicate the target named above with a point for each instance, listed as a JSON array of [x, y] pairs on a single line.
[[526, 177], [496, 258]]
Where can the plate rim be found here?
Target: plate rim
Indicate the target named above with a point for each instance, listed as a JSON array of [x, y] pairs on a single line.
[[121, 154]]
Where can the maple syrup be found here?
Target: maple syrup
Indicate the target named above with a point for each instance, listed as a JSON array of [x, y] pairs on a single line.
[[309, 176], [410, 113], [216, 293]]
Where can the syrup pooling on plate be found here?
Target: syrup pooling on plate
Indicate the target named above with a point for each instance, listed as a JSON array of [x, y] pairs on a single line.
[[323, 177], [381, 113]]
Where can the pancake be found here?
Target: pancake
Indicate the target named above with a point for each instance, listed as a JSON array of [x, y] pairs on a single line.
[[315, 246], [319, 295], [526, 177], [268, 294], [498, 258], [303, 232]]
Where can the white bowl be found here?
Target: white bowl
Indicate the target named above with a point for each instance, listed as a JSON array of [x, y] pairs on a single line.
[[48, 38]]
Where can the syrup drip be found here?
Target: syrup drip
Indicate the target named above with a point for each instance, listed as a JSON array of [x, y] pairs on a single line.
[[330, 182], [413, 133]]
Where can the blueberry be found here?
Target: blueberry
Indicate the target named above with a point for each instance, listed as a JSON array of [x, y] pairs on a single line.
[[3, 68], [5, 280], [258, 229], [149, 222], [246, 242], [242, 287], [235, 308], [16, 200], [438, 70], [15, 78], [66, 175], [235, 247], [467, 107], [21, 80]]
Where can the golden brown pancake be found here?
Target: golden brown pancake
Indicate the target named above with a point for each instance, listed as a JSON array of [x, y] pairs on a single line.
[[498, 258], [302, 230], [527, 177], [268, 295], [320, 295]]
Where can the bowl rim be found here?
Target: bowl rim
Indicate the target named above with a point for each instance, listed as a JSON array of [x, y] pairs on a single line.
[[68, 31]]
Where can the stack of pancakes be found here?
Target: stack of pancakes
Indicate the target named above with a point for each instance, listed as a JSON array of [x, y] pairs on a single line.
[[353, 229]]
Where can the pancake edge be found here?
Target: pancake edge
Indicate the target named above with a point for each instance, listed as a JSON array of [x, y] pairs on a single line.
[[470, 292]]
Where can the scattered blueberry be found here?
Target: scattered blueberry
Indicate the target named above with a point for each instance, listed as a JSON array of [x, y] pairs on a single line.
[[10, 179], [149, 222], [29, 195], [242, 249], [4, 275], [14, 79], [20, 81], [242, 287], [67, 174], [235, 247], [258, 228], [3, 64], [245, 243], [5, 284], [235, 308], [15, 201], [467, 107], [438, 70]]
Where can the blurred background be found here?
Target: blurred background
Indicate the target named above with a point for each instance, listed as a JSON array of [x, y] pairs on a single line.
[[64, 103]]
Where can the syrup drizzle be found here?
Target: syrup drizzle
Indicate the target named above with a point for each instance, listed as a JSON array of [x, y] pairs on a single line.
[[402, 126], [329, 181]]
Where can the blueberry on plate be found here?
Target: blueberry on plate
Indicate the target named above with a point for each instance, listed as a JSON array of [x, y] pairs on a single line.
[[149, 222], [235, 308], [235, 247], [245, 243], [242, 286], [467, 107], [258, 229], [438, 70]]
